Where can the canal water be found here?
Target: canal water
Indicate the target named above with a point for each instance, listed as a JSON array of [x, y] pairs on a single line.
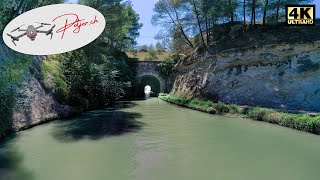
[[154, 140]]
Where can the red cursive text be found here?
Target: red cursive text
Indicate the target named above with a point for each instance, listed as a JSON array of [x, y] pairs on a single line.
[[72, 21]]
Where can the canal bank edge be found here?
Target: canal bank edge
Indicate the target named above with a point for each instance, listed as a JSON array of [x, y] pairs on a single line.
[[308, 122]]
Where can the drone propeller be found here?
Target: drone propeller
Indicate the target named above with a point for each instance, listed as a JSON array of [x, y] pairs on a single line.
[[14, 42], [16, 29], [43, 23], [51, 29], [13, 38]]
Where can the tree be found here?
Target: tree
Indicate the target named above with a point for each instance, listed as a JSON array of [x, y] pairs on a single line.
[[151, 53], [189, 24], [122, 24], [171, 14], [253, 12], [9, 9], [231, 10], [244, 14], [143, 48], [265, 12], [159, 48], [196, 5], [165, 40], [165, 69], [90, 84]]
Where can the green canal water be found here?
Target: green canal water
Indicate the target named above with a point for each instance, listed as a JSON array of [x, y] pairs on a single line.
[[154, 140]]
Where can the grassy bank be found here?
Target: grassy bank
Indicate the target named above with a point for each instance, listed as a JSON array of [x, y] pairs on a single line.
[[303, 122]]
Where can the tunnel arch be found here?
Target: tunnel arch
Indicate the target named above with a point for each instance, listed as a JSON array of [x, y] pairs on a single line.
[[151, 80]]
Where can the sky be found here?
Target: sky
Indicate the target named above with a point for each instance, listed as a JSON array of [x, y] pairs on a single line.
[[145, 10]]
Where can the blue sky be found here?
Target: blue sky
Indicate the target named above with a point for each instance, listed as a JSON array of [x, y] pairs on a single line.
[[145, 9]]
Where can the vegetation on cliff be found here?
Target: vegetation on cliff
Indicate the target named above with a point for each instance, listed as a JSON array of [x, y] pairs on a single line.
[[14, 68], [78, 82], [192, 24], [13, 74], [99, 73], [93, 76], [303, 122]]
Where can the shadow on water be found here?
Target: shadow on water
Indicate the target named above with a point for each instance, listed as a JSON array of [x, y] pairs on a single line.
[[11, 167], [99, 124]]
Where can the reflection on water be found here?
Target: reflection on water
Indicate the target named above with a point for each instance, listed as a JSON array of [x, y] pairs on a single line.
[[147, 91], [11, 167], [153, 140], [99, 124]]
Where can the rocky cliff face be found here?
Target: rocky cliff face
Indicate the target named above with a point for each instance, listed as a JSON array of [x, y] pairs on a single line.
[[278, 75], [35, 105], [38, 106]]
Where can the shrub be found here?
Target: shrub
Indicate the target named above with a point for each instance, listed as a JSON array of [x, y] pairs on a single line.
[[13, 73], [61, 89], [203, 104], [259, 114], [274, 117], [316, 125], [233, 108], [222, 108]]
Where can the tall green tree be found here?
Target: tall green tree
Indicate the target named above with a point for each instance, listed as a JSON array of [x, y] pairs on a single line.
[[9, 9], [196, 6], [122, 25], [172, 14], [166, 69]]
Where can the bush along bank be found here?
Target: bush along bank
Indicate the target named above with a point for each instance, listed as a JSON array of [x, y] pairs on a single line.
[[302, 122]]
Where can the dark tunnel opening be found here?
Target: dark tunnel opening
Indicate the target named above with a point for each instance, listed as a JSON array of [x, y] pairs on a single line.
[[147, 82]]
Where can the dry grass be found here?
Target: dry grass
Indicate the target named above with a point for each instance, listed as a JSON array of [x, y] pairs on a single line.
[[142, 56]]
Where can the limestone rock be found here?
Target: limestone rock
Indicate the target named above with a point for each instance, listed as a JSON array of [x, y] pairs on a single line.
[[280, 76]]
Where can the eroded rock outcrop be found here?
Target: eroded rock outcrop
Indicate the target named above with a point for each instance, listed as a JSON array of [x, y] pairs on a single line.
[[278, 75], [35, 104], [38, 106]]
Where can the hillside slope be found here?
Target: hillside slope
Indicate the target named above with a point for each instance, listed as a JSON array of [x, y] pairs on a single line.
[[269, 66]]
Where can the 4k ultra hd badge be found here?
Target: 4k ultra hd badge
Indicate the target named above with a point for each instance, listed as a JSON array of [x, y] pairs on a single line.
[[300, 15], [54, 29]]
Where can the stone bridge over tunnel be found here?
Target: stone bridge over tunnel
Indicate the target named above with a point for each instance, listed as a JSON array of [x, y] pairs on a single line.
[[147, 75]]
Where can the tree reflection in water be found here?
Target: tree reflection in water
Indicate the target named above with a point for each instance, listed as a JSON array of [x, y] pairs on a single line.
[[98, 124]]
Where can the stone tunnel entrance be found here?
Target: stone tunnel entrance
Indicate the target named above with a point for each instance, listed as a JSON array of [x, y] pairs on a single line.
[[148, 75], [145, 81]]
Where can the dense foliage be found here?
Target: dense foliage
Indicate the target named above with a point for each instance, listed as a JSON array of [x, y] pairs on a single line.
[[81, 83], [122, 26], [13, 72], [90, 77], [9, 9], [166, 69], [99, 73]]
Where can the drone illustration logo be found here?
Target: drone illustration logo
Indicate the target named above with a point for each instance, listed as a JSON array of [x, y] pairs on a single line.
[[53, 29], [31, 32]]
